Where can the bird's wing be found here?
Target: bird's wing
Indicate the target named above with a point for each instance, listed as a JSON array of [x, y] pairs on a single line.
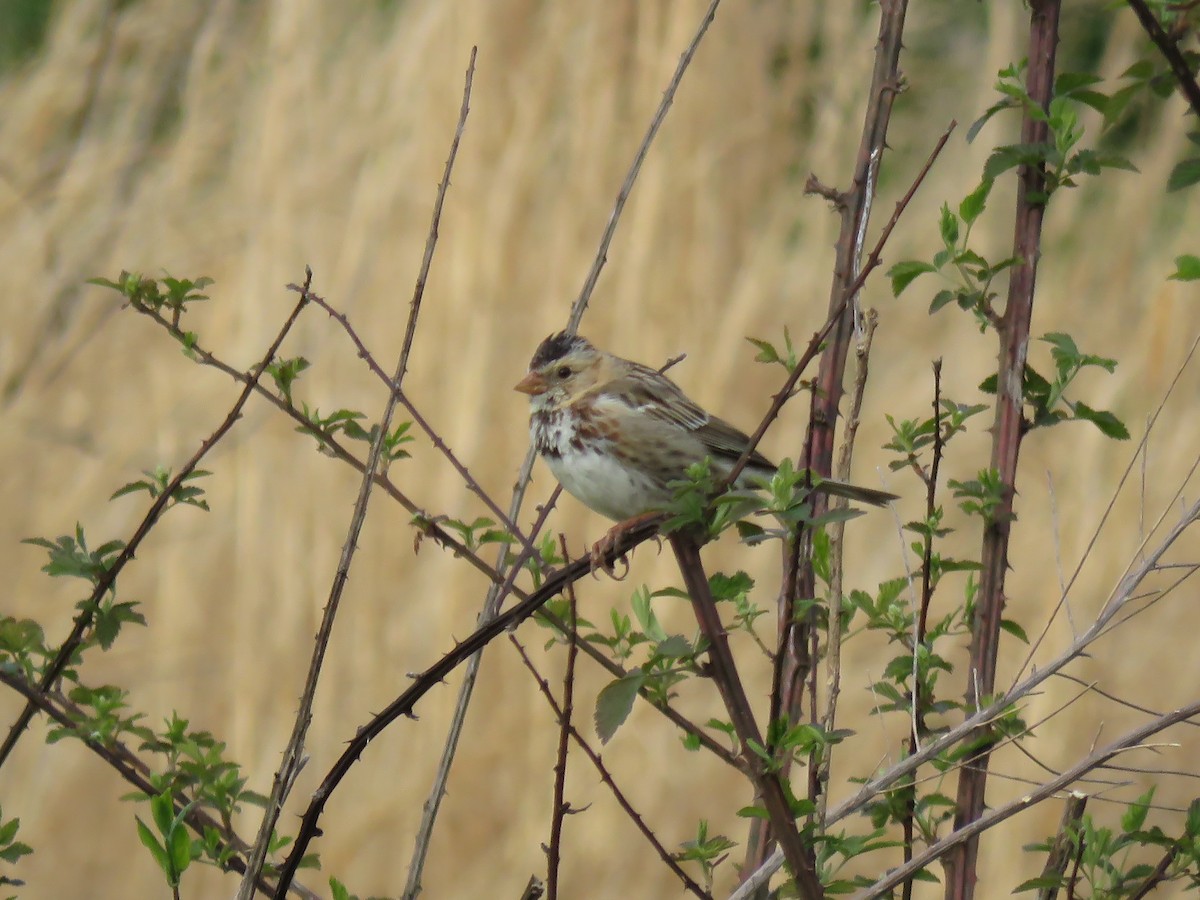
[[726, 441], [653, 394], [656, 395]]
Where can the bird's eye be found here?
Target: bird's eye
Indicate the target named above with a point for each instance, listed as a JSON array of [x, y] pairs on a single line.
[[563, 372]]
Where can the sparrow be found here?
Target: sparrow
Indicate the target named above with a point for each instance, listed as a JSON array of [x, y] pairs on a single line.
[[616, 433]]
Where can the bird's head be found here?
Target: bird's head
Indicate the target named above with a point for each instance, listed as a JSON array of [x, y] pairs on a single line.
[[564, 368]]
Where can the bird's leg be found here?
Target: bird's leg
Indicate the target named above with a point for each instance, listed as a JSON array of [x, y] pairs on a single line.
[[606, 544]]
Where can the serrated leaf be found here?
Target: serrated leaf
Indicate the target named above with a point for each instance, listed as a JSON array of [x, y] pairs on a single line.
[[674, 647], [614, 704], [1109, 425], [903, 273], [948, 226]]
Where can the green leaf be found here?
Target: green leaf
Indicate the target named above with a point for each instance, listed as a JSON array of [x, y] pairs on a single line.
[[1109, 425], [338, 890], [940, 299], [181, 849], [903, 273], [614, 703], [753, 812], [948, 226], [674, 647], [146, 836], [1015, 630], [1185, 174], [974, 203], [1187, 268]]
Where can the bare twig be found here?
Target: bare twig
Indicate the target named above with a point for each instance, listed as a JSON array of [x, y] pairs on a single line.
[[785, 392], [1130, 741], [1062, 851], [606, 777], [495, 594], [563, 713], [1124, 594], [293, 754], [109, 578], [833, 650], [403, 705], [589, 283]]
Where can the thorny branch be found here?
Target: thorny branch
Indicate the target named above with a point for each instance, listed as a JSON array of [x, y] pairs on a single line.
[[1007, 432], [403, 705], [106, 582], [606, 777], [293, 753], [1123, 594]]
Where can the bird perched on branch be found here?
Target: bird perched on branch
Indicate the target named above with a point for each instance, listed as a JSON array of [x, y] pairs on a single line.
[[616, 433]]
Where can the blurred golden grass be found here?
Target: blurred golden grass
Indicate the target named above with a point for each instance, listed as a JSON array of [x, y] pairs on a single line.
[[242, 141]]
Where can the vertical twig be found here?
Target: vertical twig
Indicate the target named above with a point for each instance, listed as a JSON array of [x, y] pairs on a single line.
[[496, 592], [376, 462], [1066, 842], [559, 812], [833, 650], [848, 277], [589, 283], [1006, 434]]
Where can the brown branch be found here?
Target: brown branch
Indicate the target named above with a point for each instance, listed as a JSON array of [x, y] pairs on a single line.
[[589, 283], [1006, 434], [134, 771], [606, 777], [1062, 851], [785, 392], [1170, 50], [768, 784], [992, 817], [1122, 595], [403, 705], [434, 437], [563, 713], [108, 580], [293, 754]]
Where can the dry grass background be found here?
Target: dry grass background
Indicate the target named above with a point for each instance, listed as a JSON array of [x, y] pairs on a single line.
[[242, 141]]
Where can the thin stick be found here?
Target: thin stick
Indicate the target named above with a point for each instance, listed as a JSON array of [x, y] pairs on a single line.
[[434, 675], [564, 712], [495, 595], [1170, 51], [814, 346], [593, 275], [606, 777], [1124, 594], [106, 581], [1130, 741], [293, 755]]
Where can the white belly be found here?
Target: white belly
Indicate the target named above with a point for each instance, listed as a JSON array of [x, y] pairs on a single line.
[[601, 483]]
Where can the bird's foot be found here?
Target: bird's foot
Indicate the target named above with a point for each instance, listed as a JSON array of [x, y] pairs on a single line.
[[603, 548]]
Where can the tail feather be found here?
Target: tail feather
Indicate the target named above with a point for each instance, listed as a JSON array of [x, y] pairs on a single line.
[[835, 488]]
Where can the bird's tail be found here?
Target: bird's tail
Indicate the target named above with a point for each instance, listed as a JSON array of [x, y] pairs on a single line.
[[835, 488]]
